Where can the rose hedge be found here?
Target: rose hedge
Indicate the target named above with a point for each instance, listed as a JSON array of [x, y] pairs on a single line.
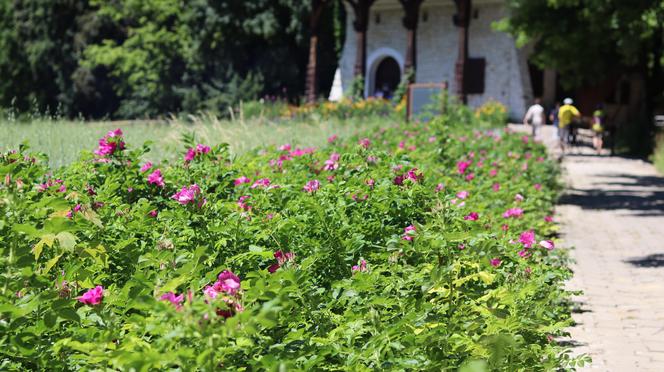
[[415, 247]]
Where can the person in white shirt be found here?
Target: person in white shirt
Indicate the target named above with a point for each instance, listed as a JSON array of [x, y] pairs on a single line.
[[535, 116]]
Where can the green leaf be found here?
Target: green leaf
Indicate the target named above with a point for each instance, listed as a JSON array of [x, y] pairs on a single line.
[[49, 319], [49, 265], [68, 313], [27, 229], [67, 240], [48, 240]]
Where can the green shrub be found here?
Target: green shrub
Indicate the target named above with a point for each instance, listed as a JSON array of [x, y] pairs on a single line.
[[401, 249], [658, 155], [492, 114]]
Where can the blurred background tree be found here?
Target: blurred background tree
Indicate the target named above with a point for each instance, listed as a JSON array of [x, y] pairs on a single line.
[[586, 41], [143, 58]]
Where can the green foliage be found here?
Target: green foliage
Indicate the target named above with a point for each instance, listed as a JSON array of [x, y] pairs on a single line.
[[137, 59], [585, 41], [658, 156], [492, 114], [356, 89], [344, 109], [427, 299], [402, 89]]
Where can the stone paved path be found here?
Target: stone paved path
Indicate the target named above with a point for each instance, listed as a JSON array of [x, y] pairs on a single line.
[[613, 215]]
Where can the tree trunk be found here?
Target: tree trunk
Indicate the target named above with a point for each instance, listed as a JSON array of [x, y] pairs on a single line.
[[312, 70], [311, 90], [360, 55], [361, 25], [410, 22], [462, 20]]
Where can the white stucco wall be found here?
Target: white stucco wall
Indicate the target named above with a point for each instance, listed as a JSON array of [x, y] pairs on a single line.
[[506, 75]]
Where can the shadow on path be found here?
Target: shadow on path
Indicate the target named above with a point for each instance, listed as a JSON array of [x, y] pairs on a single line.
[[650, 261], [642, 194]]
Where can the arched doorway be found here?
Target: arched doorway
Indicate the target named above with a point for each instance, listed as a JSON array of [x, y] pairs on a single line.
[[387, 78]]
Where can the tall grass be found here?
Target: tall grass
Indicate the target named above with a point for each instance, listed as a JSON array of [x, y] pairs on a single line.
[[62, 140]]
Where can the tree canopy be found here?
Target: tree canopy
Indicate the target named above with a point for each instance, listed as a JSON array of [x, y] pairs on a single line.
[[137, 58], [588, 40]]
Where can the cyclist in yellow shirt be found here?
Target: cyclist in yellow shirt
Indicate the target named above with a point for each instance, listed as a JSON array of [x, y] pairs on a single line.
[[566, 115]]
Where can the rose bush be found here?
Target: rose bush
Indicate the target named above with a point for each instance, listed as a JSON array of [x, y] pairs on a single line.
[[416, 246]]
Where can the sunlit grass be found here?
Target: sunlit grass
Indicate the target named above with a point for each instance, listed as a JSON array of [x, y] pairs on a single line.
[[658, 156], [63, 140]]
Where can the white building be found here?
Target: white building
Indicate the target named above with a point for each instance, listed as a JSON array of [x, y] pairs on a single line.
[[506, 71]]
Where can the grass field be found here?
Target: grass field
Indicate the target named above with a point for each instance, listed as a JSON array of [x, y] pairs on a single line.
[[62, 140]]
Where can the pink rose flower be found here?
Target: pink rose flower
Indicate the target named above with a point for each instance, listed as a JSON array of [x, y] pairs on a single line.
[[173, 299], [146, 167], [495, 262], [228, 282], [242, 203], [202, 149], [190, 155], [156, 178], [110, 143], [332, 138], [462, 194], [241, 180], [462, 166], [312, 186], [527, 238], [548, 244], [518, 198], [513, 213], [282, 259], [364, 142], [440, 187], [524, 253], [197, 151], [92, 296], [409, 232], [362, 267], [473, 216], [496, 187], [301, 152], [263, 182], [189, 195]]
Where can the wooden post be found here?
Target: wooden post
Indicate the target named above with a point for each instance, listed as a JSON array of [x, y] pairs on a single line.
[[410, 21], [361, 25], [462, 20], [311, 89]]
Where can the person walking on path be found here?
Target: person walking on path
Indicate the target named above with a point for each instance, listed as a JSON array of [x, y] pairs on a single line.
[[553, 117], [566, 116], [535, 115], [598, 129]]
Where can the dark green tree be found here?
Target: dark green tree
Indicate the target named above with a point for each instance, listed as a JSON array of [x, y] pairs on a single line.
[[588, 40], [143, 58]]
